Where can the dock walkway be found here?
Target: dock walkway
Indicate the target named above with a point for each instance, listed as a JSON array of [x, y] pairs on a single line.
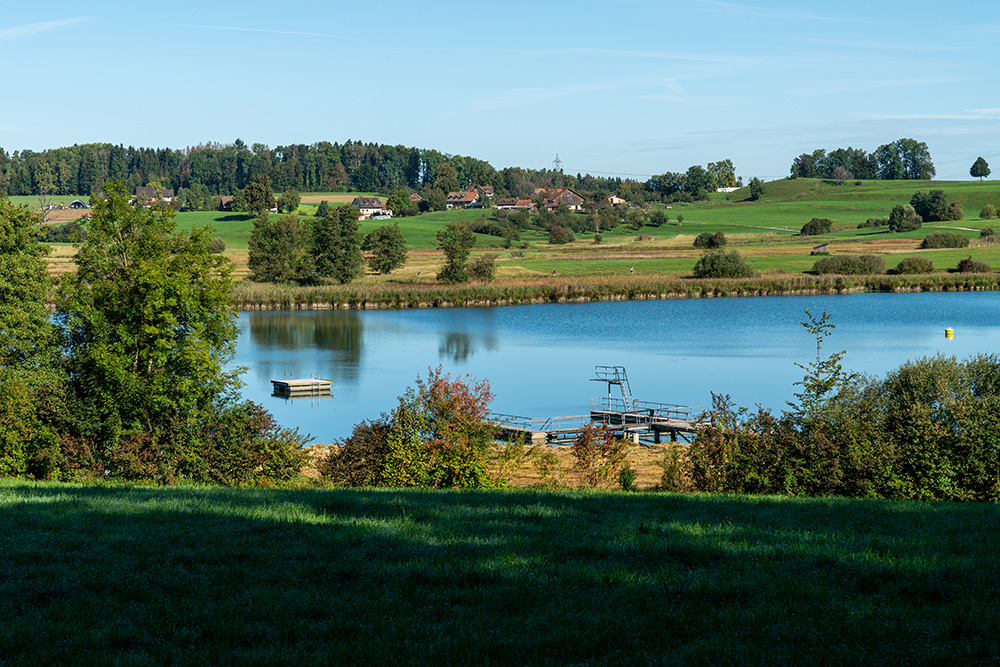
[[638, 420]]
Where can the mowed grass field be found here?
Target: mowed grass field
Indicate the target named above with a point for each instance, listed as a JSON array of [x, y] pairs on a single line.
[[141, 576], [765, 232]]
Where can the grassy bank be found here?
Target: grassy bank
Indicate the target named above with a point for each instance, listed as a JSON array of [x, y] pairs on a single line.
[[105, 575], [252, 296]]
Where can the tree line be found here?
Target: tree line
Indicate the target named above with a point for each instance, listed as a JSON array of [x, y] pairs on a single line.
[[902, 159]]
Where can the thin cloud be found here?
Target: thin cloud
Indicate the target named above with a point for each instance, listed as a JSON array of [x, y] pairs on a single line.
[[35, 28], [767, 12], [264, 30], [970, 114]]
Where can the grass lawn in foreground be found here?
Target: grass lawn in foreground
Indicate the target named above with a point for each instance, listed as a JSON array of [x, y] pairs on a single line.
[[117, 575]]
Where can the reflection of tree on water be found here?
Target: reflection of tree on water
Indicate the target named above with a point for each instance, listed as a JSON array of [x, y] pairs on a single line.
[[458, 345], [336, 331]]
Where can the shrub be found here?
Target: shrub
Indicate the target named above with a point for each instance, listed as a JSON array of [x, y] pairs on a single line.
[[599, 455], [559, 234], [816, 226], [874, 222], [710, 240], [989, 212], [913, 265], [484, 267], [945, 240], [954, 211], [969, 265], [71, 232], [987, 233], [217, 246], [904, 218], [722, 264], [850, 265]]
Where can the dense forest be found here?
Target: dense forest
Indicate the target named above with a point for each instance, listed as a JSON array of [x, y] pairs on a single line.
[[225, 169], [214, 169]]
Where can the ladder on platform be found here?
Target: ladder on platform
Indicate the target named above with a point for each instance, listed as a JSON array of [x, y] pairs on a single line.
[[615, 375]]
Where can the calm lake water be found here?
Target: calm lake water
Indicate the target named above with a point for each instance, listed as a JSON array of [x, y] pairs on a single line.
[[539, 359]]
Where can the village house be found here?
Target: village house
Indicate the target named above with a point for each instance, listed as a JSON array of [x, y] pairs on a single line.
[[571, 199], [615, 200], [145, 194], [371, 207], [515, 204], [465, 199]]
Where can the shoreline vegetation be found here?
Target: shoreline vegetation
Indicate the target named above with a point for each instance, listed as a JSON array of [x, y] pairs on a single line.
[[263, 296]]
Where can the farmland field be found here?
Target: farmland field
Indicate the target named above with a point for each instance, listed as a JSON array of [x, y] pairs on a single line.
[[764, 232]]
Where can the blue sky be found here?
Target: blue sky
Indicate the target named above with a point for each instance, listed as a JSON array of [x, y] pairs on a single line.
[[626, 87]]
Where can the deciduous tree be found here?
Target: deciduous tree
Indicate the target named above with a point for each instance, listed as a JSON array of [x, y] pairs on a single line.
[[980, 169], [386, 247], [278, 250], [149, 331], [25, 329], [336, 245], [258, 197], [456, 240]]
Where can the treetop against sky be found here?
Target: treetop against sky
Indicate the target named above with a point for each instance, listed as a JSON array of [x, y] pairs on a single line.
[[633, 88]]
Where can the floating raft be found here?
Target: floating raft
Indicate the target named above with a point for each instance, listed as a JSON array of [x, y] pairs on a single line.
[[302, 388]]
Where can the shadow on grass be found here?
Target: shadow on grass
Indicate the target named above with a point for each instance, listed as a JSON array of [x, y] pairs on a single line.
[[376, 576]]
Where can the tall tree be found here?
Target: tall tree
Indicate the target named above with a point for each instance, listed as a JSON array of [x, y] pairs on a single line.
[[278, 249], [980, 169], [148, 330], [387, 248], [336, 245], [723, 173], [456, 240], [258, 196], [25, 329]]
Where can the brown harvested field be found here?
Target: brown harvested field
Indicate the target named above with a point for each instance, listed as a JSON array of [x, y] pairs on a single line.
[[333, 199], [646, 460], [59, 216]]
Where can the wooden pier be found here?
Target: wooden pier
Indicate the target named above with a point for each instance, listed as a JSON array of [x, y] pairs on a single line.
[[301, 388], [640, 421]]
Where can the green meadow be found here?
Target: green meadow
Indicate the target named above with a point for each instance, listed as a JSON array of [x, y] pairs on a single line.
[[140, 576]]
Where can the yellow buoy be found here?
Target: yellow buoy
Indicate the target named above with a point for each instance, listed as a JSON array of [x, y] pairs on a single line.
[[949, 333]]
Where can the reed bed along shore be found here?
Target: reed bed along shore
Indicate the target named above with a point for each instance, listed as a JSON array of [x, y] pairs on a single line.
[[261, 296]]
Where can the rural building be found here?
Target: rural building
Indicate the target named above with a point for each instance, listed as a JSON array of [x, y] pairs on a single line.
[[573, 200], [515, 204], [415, 198], [484, 190], [225, 203], [371, 207], [465, 199], [615, 200], [145, 194]]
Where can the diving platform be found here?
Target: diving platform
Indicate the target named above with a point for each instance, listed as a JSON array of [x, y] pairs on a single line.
[[639, 421], [301, 388]]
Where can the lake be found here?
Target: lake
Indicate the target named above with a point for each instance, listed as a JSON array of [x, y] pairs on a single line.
[[540, 359]]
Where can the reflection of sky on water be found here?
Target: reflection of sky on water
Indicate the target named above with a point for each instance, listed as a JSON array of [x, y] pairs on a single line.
[[539, 358]]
